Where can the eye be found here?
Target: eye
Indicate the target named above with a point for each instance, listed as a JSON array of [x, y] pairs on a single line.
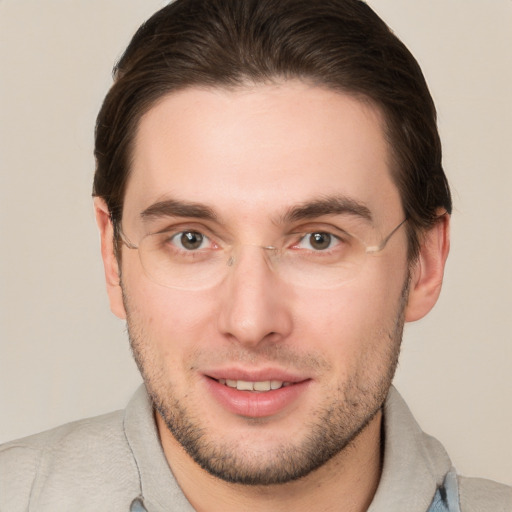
[[190, 240], [318, 241]]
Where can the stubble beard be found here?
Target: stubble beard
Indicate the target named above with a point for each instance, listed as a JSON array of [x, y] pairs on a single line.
[[333, 426]]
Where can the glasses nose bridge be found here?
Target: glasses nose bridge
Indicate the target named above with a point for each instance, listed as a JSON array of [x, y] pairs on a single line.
[[235, 254]]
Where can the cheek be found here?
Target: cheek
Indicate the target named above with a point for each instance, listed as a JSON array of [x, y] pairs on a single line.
[[343, 322], [347, 308], [167, 329], [171, 312], [172, 321]]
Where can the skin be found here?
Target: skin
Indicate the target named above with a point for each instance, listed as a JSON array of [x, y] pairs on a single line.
[[250, 155]]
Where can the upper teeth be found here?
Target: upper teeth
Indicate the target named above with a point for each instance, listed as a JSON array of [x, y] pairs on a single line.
[[244, 385]]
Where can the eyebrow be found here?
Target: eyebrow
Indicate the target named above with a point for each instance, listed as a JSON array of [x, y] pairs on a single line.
[[175, 208], [329, 205]]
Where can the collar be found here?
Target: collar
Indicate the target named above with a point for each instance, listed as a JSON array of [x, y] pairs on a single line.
[[415, 464], [158, 487]]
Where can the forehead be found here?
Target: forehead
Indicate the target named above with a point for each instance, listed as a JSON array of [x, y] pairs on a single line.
[[261, 149]]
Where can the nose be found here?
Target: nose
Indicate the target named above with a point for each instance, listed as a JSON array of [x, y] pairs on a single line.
[[255, 306]]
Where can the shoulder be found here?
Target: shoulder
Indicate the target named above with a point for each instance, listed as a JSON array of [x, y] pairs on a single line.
[[480, 495], [71, 460]]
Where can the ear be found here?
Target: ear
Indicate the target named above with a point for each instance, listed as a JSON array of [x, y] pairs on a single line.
[[427, 272], [110, 262]]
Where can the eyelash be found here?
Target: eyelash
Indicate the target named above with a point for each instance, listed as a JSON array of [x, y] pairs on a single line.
[[299, 237], [332, 238], [176, 235]]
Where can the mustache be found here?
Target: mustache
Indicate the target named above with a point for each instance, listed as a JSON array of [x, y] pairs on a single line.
[[273, 352]]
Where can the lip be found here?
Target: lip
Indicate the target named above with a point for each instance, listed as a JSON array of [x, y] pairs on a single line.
[[254, 404]]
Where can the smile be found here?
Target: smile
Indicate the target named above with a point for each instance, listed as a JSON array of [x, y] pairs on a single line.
[[258, 397], [260, 386]]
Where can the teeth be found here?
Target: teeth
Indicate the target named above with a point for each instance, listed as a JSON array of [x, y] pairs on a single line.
[[243, 385], [262, 386]]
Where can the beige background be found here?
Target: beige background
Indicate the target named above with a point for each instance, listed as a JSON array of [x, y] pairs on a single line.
[[63, 356]]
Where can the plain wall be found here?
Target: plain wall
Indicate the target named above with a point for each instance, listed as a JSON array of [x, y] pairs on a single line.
[[64, 356]]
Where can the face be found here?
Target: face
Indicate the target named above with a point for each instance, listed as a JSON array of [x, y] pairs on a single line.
[[245, 159]]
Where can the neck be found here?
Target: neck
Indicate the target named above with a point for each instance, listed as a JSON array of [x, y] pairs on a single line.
[[347, 482]]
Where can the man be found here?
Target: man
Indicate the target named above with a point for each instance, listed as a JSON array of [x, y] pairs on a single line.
[[272, 209]]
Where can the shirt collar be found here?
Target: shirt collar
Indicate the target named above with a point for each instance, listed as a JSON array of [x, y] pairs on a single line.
[[415, 463], [158, 487]]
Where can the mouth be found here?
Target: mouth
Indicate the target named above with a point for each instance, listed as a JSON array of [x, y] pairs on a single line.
[[256, 396], [255, 386]]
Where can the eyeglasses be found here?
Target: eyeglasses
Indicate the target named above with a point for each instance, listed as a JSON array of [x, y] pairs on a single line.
[[190, 259]]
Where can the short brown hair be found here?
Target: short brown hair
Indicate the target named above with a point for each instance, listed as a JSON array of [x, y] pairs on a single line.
[[339, 44]]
